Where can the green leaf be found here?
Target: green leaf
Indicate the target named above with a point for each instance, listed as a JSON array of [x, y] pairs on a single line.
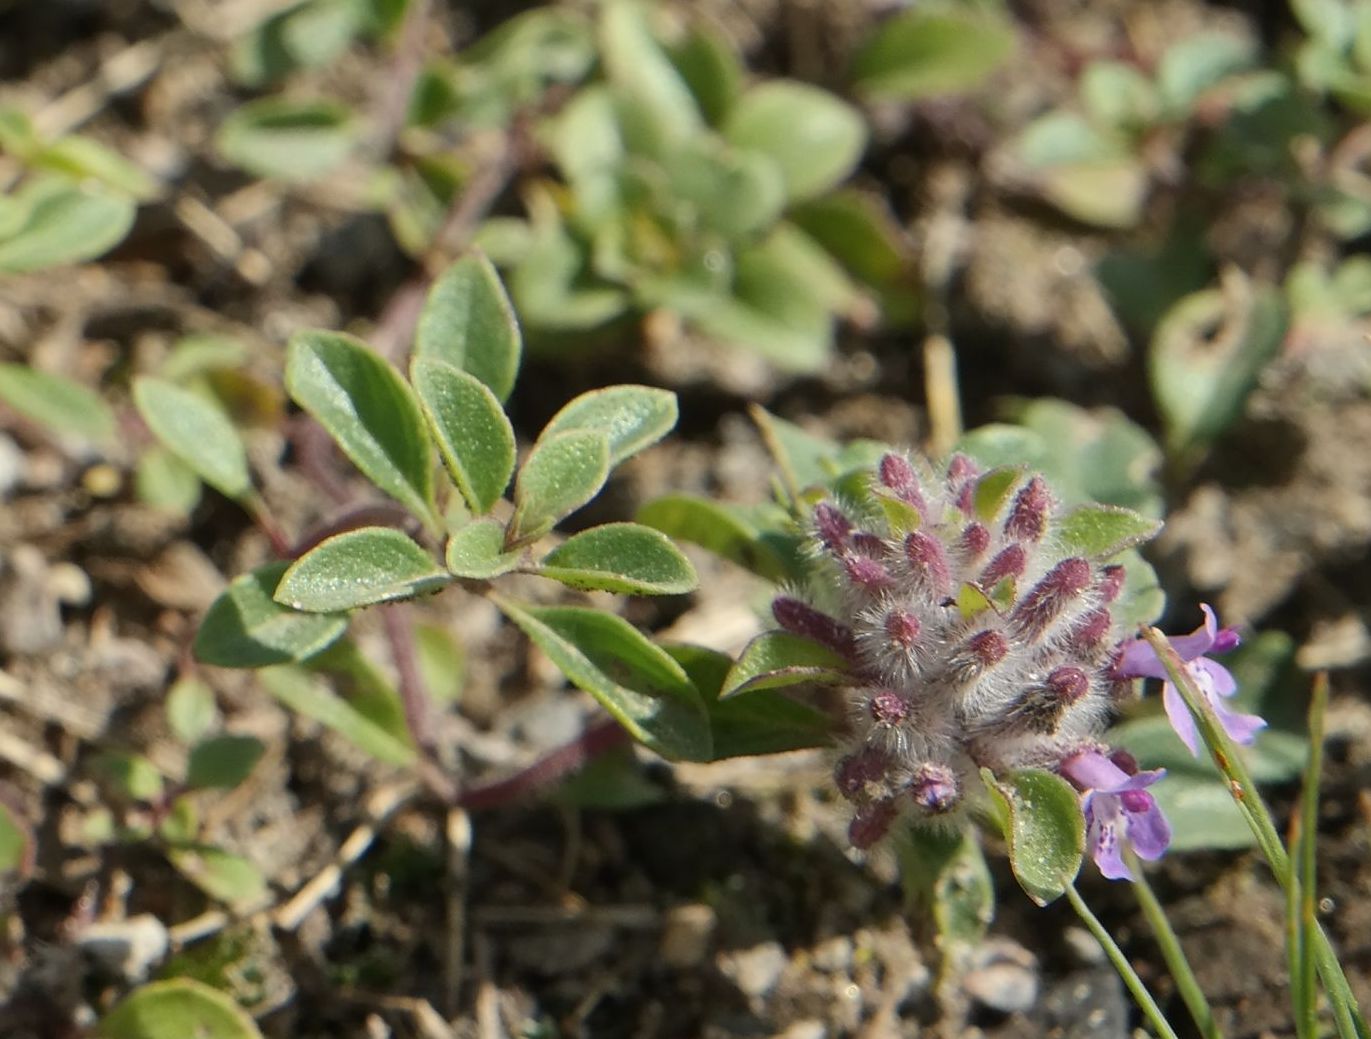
[[83, 159], [473, 434], [923, 53], [945, 875], [291, 140], [1102, 531], [562, 473], [190, 707], [722, 529], [247, 627], [359, 568], [1206, 358], [176, 1009], [442, 662], [131, 776], [226, 877], [631, 417], [16, 839], [165, 482], [64, 224], [196, 431], [638, 683], [62, 405], [708, 61], [621, 557], [477, 551], [368, 409], [763, 722], [222, 762], [993, 490], [1142, 600], [308, 695], [1197, 62], [776, 658], [1045, 831], [814, 137], [469, 322], [636, 63]]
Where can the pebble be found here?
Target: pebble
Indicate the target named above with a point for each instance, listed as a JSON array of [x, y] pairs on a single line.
[[806, 1030], [833, 956], [1003, 977], [756, 970], [686, 935], [129, 947]]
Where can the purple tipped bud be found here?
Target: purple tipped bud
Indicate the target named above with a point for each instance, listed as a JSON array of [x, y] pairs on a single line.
[[867, 574], [871, 824], [832, 526], [1111, 583], [801, 619], [934, 789], [974, 541], [1068, 683], [1090, 632], [1040, 707], [929, 562], [898, 475], [959, 468], [966, 497], [868, 544], [1028, 517], [888, 707], [855, 771], [1047, 599], [902, 627], [1010, 561], [1125, 761], [977, 655]]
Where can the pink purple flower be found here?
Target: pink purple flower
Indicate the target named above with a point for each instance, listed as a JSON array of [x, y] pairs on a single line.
[[1118, 810], [1140, 660]]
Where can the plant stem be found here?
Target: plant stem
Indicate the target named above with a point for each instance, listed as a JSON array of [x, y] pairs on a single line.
[[1176, 962], [414, 699], [1116, 956], [596, 740]]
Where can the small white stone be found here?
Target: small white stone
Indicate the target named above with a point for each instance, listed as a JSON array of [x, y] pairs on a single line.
[[129, 947]]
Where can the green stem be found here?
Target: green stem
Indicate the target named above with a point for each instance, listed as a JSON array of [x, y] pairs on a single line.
[[1116, 956], [1228, 759], [1186, 983]]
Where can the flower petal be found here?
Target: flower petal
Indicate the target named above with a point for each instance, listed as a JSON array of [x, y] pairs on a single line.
[[1091, 770], [1104, 838], [1213, 678], [1241, 728], [1139, 660], [1199, 641], [1149, 832], [1180, 718]]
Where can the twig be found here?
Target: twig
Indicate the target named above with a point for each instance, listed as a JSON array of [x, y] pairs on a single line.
[[394, 102], [596, 740], [458, 881], [415, 700]]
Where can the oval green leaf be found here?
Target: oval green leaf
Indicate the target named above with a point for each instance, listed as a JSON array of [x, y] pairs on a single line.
[[720, 528], [191, 711], [477, 551], [65, 224], [196, 431], [62, 405], [247, 627], [473, 434], [815, 138], [229, 878], [561, 474], [631, 417], [308, 695], [368, 409], [222, 762], [292, 140], [1045, 830], [1101, 531], [775, 659], [359, 568], [176, 1009], [924, 53], [635, 681], [469, 322], [621, 557]]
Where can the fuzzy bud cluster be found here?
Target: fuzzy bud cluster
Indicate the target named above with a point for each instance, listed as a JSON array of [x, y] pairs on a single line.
[[973, 639]]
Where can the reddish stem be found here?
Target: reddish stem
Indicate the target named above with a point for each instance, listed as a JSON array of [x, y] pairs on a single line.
[[598, 739]]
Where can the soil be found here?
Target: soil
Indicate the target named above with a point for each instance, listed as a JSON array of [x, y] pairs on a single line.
[[726, 902]]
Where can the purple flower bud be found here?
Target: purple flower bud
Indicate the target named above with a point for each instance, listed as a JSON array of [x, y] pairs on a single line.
[[801, 619], [855, 771], [934, 789], [974, 541], [1047, 599], [867, 574], [1040, 708], [977, 655], [1111, 583], [928, 561], [1028, 517], [871, 823], [898, 475], [868, 545], [1010, 561], [1089, 634], [1124, 761], [960, 468], [888, 707], [832, 526], [966, 498], [902, 627], [1068, 683]]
